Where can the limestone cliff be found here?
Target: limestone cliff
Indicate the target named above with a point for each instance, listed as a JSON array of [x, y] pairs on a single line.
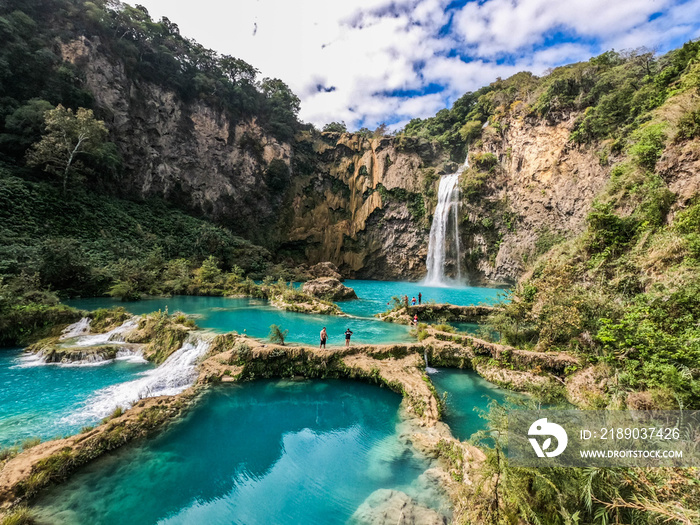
[[190, 153], [363, 203], [361, 206], [540, 192], [368, 205]]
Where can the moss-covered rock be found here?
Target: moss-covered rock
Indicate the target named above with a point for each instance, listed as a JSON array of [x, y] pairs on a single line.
[[329, 288]]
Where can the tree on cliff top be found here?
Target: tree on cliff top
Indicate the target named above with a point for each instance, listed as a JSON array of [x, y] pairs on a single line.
[[68, 137]]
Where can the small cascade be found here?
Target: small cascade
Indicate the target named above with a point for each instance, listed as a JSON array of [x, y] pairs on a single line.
[[444, 232], [82, 327], [29, 360], [88, 359], [113, 336], [132, 356], [175, 375], [428, 369]]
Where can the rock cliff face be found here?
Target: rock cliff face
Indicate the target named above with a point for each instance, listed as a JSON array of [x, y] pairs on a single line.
[[369, 204], [540, 192], [362, 207], [191, 154], [362, 203]]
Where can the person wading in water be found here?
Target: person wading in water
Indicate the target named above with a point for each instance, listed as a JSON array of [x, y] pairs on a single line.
[[324, 336], [348, 333]]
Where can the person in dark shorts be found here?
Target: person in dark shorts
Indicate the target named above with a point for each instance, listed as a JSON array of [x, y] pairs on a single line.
[[324, 337], [420, 297], [348, 333]]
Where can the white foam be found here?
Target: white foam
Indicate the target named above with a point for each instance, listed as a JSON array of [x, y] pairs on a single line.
[[113, 336], [82, 327], [175, 375], [29, 360], [130, 356]]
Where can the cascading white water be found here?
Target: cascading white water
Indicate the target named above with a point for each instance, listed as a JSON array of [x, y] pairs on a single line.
[[78, 335], [113, 336], [82, 327], [440, 240], [428, 369], [175, 375]]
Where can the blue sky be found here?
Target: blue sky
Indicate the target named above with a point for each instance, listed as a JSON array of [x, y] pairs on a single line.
[[371, 61]]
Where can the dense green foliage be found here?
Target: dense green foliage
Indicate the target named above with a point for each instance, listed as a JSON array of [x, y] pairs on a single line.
[[626, 292], [612, 93], [33, 77], [81, 242], [568, 496], [27, 313]]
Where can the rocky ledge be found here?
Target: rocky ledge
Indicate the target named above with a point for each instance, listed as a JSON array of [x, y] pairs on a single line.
[[325, 269], [329, 288], [51, 353], [437, 312], [389, 507]]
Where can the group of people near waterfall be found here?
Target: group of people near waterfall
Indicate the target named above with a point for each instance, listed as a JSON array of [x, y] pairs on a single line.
[[413, 303], [324, 337]]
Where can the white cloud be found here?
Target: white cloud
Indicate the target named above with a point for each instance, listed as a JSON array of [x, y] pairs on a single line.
[[359, 52], [506, 26]]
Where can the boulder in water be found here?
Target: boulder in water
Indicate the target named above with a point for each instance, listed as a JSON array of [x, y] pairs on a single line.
[[325, 269], [389, 507], [329, 288]]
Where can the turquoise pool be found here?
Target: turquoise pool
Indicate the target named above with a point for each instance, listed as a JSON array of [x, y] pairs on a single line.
[[265, 452], [254, 316], [38, 400]]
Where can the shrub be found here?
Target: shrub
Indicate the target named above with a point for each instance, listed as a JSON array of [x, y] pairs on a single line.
[[470, 131], [472, 184], [125, 290], [422, 335], [650, 145], [688, 126], [19, 516], [8, 452], [607, 232], [30, 442], [277, 335], [483, 161]]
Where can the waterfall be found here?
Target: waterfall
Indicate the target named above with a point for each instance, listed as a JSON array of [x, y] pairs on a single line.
[[175, 375], [82, 327], [428, 369], [441, 240], [113, 336]]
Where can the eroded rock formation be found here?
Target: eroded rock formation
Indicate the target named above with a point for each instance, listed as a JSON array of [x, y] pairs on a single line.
[[329, 288]]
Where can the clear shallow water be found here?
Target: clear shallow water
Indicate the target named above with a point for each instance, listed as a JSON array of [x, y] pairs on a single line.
[[255, 316], [467, 393], [36, 401], [374, 295], [264, 452]]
